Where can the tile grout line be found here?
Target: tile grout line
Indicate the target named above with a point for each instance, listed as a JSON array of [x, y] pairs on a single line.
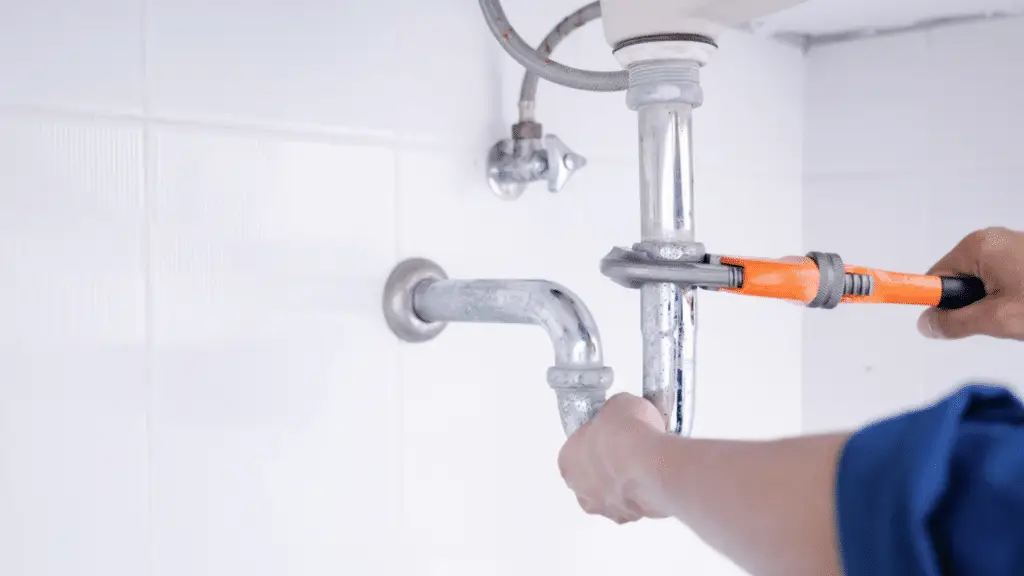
[[299, 132], [309, 133], [144, 43], [147, 255], [399, 389], [927, 178], [304, 132], [148, 291]]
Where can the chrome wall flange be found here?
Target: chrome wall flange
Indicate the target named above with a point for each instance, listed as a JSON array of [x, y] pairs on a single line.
[[399, 290]]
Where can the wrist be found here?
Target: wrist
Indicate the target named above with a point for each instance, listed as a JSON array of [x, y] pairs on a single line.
[[647, 472]]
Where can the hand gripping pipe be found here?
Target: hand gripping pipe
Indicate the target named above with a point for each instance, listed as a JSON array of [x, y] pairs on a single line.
[[419, 300]]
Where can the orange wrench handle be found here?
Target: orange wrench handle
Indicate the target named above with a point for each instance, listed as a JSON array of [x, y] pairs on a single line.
[[795, 279], [799, 279], [898, 288], [944, 292]]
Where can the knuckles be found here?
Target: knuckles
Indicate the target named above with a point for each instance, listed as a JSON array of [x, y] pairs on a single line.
[[991, 242], [632, 407], [1009, 317]]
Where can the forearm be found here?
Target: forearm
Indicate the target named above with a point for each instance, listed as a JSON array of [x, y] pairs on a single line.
[[769, 506]]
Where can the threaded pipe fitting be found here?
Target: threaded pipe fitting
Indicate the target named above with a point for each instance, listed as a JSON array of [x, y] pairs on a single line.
[[664, 82], [663, 72]]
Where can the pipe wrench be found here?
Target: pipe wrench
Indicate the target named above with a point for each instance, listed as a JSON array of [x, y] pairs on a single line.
[[817, 280]]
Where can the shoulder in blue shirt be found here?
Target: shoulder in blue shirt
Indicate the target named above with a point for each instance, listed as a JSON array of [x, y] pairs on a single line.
[[936, 492]]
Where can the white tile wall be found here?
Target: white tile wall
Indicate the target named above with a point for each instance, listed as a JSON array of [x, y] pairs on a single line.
[[752, 113], [73, 472], [308, 62], [60, 54], [269, 352], [868, 107], [977, 93], [200, 203], [911, 145]]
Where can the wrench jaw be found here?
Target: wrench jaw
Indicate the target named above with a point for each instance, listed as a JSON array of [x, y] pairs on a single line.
[[634, 268], [668, 274], [819, 280]]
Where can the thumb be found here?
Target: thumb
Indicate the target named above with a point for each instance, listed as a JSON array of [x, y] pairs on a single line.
[[973, 320]]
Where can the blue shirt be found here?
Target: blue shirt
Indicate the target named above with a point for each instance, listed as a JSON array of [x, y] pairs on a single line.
[[936, 492]]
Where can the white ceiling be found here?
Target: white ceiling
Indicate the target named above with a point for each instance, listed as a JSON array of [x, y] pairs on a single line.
[[828, 17]]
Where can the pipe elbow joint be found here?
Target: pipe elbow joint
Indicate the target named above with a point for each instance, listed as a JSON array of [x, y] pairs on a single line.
[[572, 329], [579, 377], [581, 392], [419, 300]]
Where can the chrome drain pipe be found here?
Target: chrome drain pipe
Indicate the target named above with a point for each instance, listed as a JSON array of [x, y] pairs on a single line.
[[419, 301], [664, 93]]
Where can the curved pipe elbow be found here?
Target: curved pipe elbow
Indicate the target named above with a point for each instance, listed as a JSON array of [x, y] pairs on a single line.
[[579, 377], [569, 324]]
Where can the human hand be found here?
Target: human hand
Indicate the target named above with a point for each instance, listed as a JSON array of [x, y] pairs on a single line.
[[607, 461], [996, 256]]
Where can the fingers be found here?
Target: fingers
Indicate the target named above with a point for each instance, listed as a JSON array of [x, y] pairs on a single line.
[[994, 317], [624, 519], [993, 255], [633, 408], [588, 505], [968, 256], [953, 324], [626, 403], [962, 259], [594, 461], [619, 515]]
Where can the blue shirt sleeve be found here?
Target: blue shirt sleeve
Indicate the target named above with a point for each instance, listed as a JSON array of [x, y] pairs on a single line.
[[936, 492]]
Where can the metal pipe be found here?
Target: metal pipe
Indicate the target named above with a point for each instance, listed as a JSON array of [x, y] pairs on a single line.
[[668, 311], [547, 69], [568, 25], [669, 325], [560, 313], [419, 300], [666, 173]]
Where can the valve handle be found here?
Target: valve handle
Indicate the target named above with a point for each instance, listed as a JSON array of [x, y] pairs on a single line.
[[562, 163]]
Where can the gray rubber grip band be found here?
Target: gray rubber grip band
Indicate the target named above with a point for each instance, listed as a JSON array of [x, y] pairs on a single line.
[[832, 280]]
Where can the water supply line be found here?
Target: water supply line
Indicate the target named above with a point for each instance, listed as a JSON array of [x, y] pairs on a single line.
[[542, 66], [568, 25], [531, 156], [419, 301]]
